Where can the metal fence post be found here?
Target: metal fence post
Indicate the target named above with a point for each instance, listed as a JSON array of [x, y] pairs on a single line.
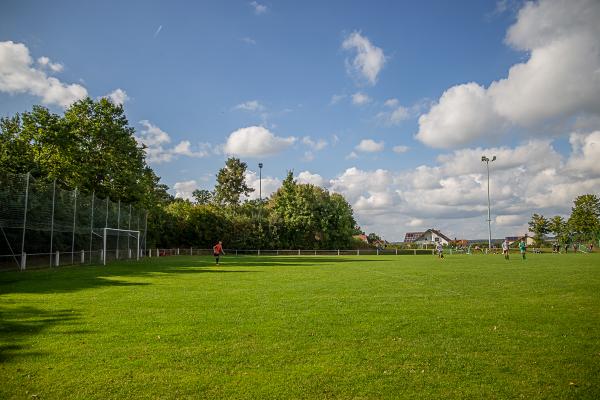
[[145, 230], [129, 228], [83, 256], [57, 259], [118, 227], [23, 256], [73, 240], [52, 221], [92, 225]]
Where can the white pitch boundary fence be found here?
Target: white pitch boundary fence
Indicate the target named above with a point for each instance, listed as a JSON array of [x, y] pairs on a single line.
[[190, 251]]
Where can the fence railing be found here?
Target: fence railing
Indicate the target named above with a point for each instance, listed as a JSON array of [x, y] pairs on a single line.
[[190, 251]]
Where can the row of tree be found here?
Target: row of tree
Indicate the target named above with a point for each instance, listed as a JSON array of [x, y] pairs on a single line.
[[583, 224], [297, 216], [92, 147]]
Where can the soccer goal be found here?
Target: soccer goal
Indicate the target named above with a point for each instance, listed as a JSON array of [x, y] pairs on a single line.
[[120, 241]]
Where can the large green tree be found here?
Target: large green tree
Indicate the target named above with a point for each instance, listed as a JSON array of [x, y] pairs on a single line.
[[307, 216], [202, 196], [585, 216], [231, 183], [539, 226], [558, 226], [91, 147]]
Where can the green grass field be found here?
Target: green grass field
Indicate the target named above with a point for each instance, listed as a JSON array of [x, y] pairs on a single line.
[[305, 327]]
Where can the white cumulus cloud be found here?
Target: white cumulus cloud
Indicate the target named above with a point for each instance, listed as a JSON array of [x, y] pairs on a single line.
[[370, 146], [559, 82], [360, 99], [369, 59], [156, 142], [252, 105], [317, 145], [256, 141], [258, 8], [45, 62], [18, 74], [185, 189], [400, 149], [118, 96], [313, 179], [268, 184]]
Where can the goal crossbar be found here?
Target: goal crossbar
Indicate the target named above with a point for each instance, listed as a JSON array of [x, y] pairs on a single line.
[[128, 231]]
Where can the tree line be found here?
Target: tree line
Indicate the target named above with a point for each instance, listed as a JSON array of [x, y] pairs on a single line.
[[92, 147], [583, 225]]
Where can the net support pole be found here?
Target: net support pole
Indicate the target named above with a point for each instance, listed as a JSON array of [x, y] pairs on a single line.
[[146, 232], [73, 237], [23, 257], [129, 228], [137, 252], [92, 225], [118, 226], [52, 221], [104, 247]]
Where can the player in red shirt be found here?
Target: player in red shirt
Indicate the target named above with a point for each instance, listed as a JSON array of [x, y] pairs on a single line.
[[218, 250]]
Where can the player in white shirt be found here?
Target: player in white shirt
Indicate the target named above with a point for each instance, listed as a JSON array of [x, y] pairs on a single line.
[[505, 249]]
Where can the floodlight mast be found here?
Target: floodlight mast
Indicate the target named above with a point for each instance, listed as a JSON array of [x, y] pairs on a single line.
[[489, 220]]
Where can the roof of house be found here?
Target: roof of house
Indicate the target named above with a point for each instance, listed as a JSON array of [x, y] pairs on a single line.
[[412, 236], [362, 237], [440, 234]]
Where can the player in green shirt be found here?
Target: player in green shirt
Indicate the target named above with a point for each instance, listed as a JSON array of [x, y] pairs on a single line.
[[522, 248]]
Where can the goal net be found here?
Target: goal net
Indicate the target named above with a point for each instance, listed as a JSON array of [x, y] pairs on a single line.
[[119, 244]]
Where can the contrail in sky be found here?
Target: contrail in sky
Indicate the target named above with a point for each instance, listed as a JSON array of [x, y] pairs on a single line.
[[158, 31]]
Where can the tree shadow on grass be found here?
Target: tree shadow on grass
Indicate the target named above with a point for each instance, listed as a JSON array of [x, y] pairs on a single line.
[[292, 261], [60, 281], [74, 278], [19, 323]]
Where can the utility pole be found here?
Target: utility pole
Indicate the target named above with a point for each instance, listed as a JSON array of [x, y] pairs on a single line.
[[489, 219]]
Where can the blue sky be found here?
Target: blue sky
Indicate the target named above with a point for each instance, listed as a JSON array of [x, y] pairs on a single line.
[[390, 103]]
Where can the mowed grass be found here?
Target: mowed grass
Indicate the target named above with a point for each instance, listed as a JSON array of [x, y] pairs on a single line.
[[374, 327]]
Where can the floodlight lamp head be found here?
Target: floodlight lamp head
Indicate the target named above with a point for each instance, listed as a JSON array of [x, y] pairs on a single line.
[[494, 158], [260, 165], [484, 159]]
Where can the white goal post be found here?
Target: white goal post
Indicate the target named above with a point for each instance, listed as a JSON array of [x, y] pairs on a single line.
[[129, 233]]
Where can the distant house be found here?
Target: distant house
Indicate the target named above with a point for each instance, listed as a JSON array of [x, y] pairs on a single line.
[[460, 242], [516, 239], [411, 236], [362, 237], [430, 236]]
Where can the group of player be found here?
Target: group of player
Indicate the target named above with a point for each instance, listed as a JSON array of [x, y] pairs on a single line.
[[505, 249]]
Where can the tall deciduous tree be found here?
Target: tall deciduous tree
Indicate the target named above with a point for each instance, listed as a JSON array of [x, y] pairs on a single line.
[[91, 147], [202, 196], [585, 216], [231, 182], [308, 216], [113, 161], [558, 226], [539, 226]]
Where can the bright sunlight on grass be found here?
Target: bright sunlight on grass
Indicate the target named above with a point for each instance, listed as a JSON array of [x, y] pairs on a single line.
[[305, 327]]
